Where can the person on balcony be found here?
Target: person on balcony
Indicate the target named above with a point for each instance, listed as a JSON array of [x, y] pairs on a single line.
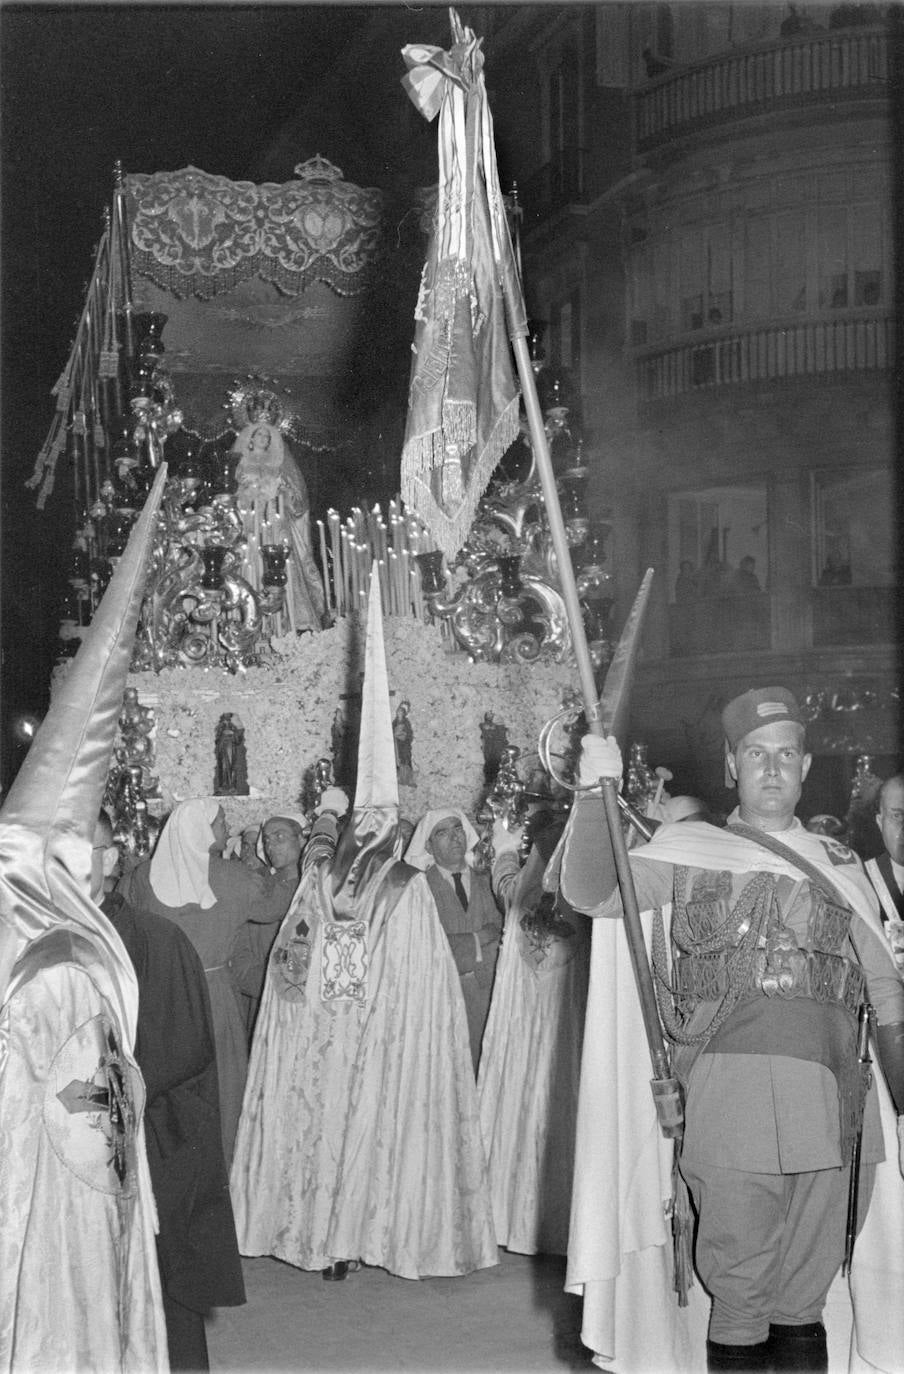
[[744, 578]]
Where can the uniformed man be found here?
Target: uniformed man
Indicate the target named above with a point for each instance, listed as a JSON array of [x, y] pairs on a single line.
[[774, 942]]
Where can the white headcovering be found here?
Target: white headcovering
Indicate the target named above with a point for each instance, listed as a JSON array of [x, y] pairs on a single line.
[[417, 853], [181, 863]]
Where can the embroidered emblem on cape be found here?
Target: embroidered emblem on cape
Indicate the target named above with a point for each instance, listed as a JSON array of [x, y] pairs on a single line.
[[291, 962], [343, 965], [839, 854], [92, 1104], [547, 939]]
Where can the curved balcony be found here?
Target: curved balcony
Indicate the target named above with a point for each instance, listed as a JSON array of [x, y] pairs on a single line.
[[861, 341], [833, 64], [825, 617]]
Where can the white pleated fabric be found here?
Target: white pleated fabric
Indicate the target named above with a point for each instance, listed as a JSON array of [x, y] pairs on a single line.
[[530, 1071], [360, 1136], [619, 1248]]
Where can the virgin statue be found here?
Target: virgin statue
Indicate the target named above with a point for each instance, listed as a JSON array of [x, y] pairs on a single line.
[[272, 499]]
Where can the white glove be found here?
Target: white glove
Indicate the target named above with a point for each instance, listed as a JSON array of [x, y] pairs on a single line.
[[901, 1145], [506, 841], [333, 800], [600, 758]]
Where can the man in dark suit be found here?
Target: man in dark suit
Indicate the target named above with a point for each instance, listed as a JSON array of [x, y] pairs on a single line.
[[886, 873]]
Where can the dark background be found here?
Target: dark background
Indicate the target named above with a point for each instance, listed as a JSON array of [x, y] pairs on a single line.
[[156, 87]]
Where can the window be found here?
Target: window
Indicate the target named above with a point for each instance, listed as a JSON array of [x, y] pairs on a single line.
[[718, 542], [853, 534]]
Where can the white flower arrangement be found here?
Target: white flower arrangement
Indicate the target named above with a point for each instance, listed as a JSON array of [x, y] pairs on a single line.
[[288, 709]]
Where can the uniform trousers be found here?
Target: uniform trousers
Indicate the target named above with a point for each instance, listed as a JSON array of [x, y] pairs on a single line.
[[769, 1245]]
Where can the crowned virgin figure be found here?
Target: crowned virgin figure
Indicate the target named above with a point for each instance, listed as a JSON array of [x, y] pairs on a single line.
[[272, 499]]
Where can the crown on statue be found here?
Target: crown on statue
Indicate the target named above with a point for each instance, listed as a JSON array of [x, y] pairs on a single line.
[[251, 401]]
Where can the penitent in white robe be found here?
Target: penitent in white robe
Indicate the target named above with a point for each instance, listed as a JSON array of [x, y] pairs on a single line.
[[360, 1136], [79, 1285], [530, 1068]]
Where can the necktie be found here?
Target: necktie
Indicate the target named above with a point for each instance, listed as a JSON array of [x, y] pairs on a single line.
[[459, 886]]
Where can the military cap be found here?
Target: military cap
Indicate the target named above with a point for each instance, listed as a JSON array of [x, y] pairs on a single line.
[[760, 706]]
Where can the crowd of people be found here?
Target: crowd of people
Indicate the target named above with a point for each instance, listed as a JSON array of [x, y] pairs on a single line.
[[346, 1044]]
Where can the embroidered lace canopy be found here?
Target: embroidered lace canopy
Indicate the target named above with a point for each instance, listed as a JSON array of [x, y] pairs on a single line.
[[197, 234]]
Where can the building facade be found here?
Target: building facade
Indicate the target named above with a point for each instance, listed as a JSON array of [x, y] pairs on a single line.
[[739, 400]]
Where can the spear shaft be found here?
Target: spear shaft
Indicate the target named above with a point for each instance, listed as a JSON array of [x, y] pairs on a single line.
[[666, 1091]]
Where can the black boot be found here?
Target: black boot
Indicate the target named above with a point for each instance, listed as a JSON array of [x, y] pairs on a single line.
[[737, 1358], [799, 1347], [336, 1271]]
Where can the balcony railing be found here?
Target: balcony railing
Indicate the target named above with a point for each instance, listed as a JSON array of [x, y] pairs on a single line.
[[839, 63], [854, 615], [828, 617], [720, 625], [857, 343]]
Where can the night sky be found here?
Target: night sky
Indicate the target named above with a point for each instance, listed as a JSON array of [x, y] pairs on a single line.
[[157, 87]]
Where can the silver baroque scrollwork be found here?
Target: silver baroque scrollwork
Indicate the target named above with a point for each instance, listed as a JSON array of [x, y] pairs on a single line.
[[508, 605], [198, 611]]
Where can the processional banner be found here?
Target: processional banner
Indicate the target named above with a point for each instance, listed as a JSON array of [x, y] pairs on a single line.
[[463, 403]]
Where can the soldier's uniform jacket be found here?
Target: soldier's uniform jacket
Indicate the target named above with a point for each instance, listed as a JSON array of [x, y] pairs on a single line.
[[767, 971]]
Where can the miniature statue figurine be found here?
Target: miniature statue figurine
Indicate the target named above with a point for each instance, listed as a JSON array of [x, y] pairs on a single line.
[[494, 737], [231, 776], [403, 736]]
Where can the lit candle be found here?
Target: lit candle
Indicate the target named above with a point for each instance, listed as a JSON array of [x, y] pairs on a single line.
[[324, 565]]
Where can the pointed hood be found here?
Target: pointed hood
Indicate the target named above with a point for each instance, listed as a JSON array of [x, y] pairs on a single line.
[[579, 881], [377, 783], [367, 840], [615, 700], [48, 820]]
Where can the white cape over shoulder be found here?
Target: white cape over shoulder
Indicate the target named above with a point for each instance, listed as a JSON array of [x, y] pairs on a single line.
[[620, 1247], [360, 1135], [79, 1284], [530, 1070]]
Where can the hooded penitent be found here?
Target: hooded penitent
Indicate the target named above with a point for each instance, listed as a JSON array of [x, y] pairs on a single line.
[[48, 819], [362, 864], [82, 1287]]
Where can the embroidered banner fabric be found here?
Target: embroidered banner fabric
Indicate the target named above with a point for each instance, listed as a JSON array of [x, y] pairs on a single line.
[[197, 234], [463, 401]]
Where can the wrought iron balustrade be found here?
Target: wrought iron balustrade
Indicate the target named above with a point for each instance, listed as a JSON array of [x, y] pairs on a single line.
[[833, 63], [738, 623], [860, 341]]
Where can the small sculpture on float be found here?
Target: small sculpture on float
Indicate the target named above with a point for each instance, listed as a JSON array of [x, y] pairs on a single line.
[[403, 739], [130, 782], [494, 741], [135, 748], [231, 774]]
